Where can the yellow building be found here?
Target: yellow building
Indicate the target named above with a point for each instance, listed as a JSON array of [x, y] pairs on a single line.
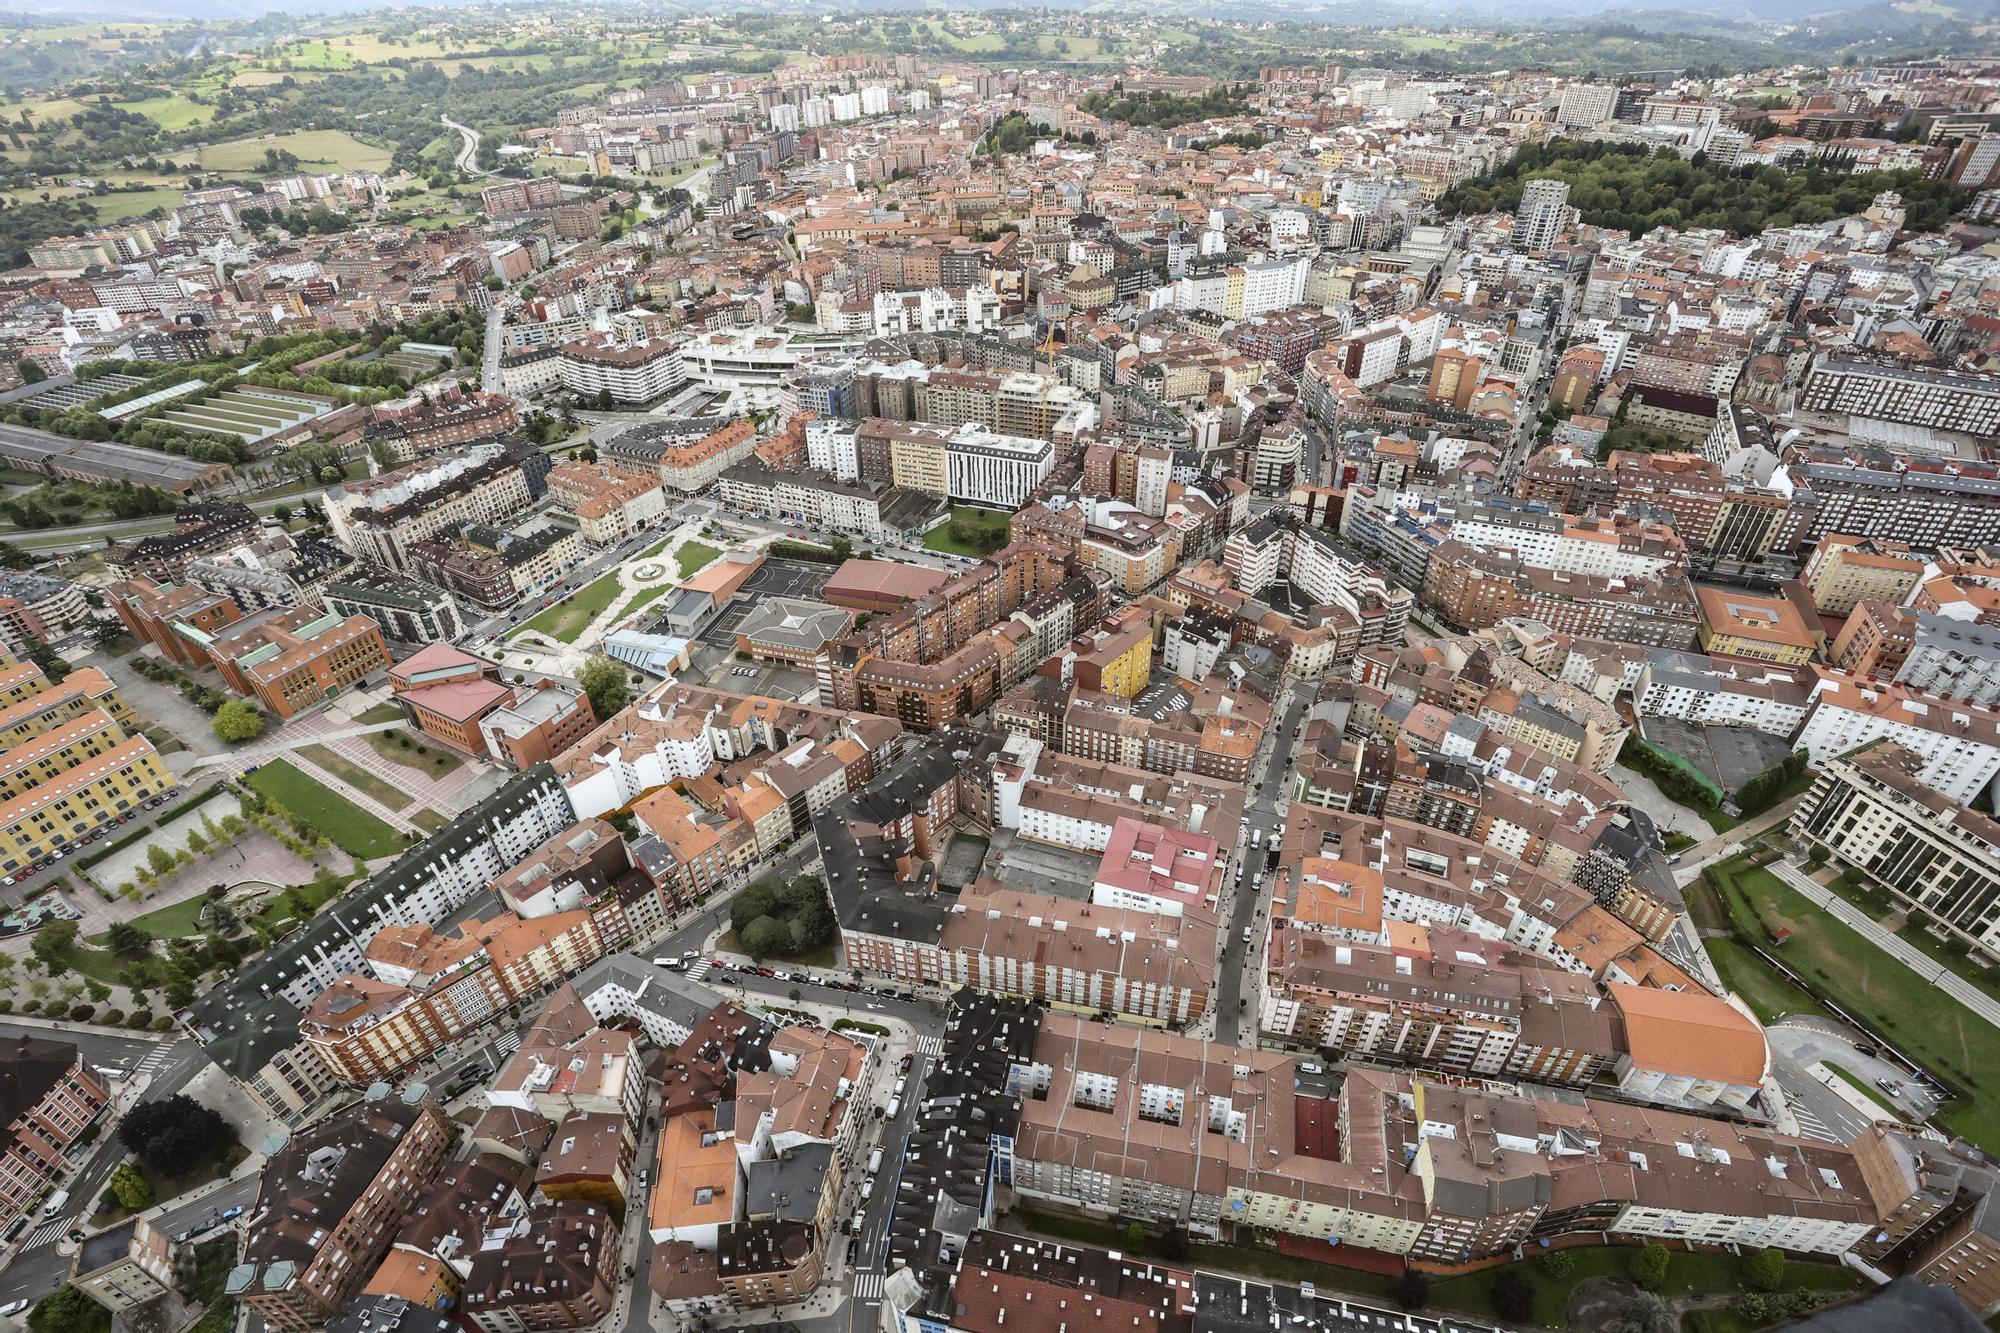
[[1769, 629], [1131, 660], [1844, 572], [58, 813], [48, 756], [919, 463], [78, 692]]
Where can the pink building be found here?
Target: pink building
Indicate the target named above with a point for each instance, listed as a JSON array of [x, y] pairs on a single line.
[[1149, 868]]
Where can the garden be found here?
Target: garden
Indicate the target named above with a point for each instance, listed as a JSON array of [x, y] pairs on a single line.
[[776, 918]]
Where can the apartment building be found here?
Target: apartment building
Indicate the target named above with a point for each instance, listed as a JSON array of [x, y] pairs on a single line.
[[1844, 571], [1716, 691], [1479, 589], [1915, 395], [1431, 997], [555, 1267], [48, 1096], [1938, 1227], [607, 503], [72, 781], [1959, 742], [35, 608], [126, 1265], [1874, 810], [329, 1203], [249, 1026], [630, 373], [426, 989], [1952, 658], [381, 518]]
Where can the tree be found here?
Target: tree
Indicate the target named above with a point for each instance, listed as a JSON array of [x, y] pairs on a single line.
[[766, 937], [53, 943], [66, 1310], [130, 1188], [1513, 1297], [30, 371], [238, 720], [1648, 1268], [1411, 1290], [1135, 1238], [1556, 1263], [1764, 1270], [842, 548], [97, 990], [1644, 1312], [175, 1136], [127, 941], [603, 680], [159, 860]]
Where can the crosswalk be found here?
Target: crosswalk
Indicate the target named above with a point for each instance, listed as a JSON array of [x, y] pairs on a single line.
[[930, 1044], [507, 1043], [702, 967], [868, 1286], [1811, 1126], [159, 1055], [45, 1233]]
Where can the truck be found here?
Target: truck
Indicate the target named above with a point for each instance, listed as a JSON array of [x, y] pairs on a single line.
[[874, 1161]]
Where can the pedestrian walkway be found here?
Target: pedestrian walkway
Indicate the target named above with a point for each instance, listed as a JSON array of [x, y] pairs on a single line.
[[300, 734], [45, 1234], [1889, 942], [508, 1043], [868, 1285], [156, 1057], [393, 818], [930, 1045]]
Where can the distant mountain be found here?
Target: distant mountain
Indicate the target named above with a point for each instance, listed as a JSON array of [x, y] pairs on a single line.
[[1826, 21]]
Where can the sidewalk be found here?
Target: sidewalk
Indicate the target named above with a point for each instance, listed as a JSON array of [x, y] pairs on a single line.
[[99, 1029]]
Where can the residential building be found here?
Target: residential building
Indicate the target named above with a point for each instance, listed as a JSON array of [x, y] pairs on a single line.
[[128, 1264], [48, 1096], [329, 1203], [1873, 809]]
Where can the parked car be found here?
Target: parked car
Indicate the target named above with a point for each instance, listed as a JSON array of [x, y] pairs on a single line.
[[231, 1213]]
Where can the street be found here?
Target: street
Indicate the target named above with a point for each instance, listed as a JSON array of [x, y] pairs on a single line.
[[36, 1266]]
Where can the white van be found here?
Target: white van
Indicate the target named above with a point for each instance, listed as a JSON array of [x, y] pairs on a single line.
[[860, 1220], [895, 1105], [901, 1084], [874, 1161], [55, 1203], [867, 1188]]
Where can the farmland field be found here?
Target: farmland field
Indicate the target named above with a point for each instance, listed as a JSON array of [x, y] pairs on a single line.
[[324, 150]]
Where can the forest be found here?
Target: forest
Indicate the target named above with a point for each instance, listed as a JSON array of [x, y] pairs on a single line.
[[1164, 110], [1628, 188]]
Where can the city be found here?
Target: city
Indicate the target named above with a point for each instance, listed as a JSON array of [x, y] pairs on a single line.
[[668, 671]]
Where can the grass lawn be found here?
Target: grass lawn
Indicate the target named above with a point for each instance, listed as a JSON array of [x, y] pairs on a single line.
[[277, 909], [1688, 1276], [169, 113], [695, 555], [433, 759], [571, 616], [177, 921], [1678, 842], [390, 711], [121, 204], [325, 149], [1958, 1045], [345, 824], [357, 777], [430, 821], [984, 531]]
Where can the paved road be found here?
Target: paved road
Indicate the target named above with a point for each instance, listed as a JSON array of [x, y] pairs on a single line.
[[1265, 808], [37, 1266], [1888, 941], [468, 153]]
